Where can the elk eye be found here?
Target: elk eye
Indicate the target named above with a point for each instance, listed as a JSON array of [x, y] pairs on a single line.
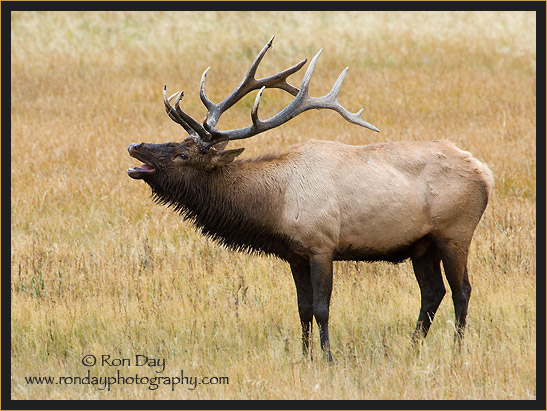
[[181, 156]]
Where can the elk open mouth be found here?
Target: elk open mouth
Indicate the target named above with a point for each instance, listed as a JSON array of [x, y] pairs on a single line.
[[144, 169], [141, 171]]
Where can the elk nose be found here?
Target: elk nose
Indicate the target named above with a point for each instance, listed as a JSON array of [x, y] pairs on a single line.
[[134, 147]]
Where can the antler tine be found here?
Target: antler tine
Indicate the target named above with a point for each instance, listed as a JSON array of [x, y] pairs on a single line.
[[338, 84], [301, 103], [204, 134], [204, 99], [192, 127], [254, 111], [254, 65], [330, 101], [279, 80], [171, 112], [307, 76]]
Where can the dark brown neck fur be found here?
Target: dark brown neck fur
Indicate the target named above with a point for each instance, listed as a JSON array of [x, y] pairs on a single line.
[[238, 205]]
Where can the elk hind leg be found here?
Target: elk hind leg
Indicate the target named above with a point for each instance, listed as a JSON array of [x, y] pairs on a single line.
[[454, 258]]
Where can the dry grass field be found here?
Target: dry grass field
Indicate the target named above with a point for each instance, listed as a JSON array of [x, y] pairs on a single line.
[[98, 269]]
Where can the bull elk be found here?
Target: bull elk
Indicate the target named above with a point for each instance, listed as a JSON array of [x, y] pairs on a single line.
[[323, 201]]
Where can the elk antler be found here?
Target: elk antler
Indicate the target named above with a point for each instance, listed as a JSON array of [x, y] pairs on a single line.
[[207, 135]]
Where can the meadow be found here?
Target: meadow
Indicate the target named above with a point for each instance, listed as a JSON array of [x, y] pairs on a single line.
[[98, 270]]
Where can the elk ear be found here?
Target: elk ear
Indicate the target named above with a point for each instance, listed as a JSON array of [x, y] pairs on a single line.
[[220, 146], [227, 156]]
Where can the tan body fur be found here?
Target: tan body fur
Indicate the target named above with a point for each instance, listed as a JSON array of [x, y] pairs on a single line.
[[376, 198]]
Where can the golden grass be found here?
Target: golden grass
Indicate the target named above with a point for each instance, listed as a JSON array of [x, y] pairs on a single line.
[[96, 268]]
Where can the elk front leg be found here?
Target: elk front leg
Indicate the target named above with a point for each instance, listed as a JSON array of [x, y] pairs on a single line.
[[428, 273], [321, 280], [304, 292]]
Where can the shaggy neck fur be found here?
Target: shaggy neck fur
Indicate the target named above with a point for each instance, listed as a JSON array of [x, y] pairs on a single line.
[[235, 206]]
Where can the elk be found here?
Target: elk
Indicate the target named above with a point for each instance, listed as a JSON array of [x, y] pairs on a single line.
[[321, 201]]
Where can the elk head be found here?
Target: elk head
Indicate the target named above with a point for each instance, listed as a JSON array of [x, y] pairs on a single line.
[[177, 157], [204, 148]]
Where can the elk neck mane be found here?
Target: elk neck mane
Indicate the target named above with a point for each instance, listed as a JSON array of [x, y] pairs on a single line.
[[237, 205]]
